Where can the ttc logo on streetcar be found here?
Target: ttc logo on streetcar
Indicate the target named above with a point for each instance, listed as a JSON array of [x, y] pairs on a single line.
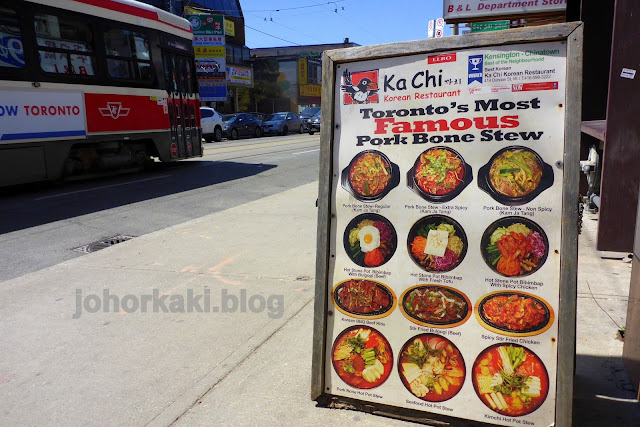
[[114, 110]]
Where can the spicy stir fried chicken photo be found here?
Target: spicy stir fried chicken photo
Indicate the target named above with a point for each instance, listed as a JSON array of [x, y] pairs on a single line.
[[515, 312]]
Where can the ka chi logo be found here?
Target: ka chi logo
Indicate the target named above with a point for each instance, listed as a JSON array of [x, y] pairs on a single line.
[[114, 110], [360, 88]]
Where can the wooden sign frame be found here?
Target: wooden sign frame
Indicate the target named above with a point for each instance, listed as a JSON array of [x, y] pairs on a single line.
[[572, 34]]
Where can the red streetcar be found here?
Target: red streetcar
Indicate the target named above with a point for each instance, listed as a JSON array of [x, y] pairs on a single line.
[[92, 85]]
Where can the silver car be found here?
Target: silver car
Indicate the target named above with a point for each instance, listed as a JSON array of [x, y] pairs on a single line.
[[282, 123]]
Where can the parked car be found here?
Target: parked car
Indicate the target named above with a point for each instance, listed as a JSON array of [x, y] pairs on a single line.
[[259, 116], [211, 123], [282, 123], [314, 123], [240, 124], [306, 115]]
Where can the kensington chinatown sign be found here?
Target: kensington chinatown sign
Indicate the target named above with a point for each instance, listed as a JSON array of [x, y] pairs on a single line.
[[445, 208]]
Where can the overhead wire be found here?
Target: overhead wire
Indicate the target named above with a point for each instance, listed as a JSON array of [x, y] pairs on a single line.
[[297, 7], [271, 35], [287, 27]]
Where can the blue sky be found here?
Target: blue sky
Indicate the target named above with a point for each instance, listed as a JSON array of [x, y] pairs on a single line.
[[316, 21]]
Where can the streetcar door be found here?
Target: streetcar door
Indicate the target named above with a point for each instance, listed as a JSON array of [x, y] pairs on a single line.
[[180, 95]]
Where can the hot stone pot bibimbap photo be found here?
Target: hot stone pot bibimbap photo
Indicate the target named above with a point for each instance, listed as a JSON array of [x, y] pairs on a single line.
[[437, 243], [370, 240], [514, 246]]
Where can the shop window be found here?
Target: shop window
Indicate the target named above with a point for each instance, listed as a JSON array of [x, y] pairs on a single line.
[[314, 73]]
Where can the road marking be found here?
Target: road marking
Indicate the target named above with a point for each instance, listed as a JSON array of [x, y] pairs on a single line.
[[101, 187], [302, 152]]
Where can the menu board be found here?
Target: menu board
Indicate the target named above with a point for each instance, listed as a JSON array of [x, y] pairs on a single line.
[[445, 238]]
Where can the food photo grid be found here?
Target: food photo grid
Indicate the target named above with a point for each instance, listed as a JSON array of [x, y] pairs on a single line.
[[445, 267]]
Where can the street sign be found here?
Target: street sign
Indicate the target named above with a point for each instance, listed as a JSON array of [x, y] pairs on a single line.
[[431, 28], [477, 27], [428, 238]]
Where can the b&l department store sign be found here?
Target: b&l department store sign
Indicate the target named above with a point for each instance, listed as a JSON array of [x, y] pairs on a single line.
[[461, 10]]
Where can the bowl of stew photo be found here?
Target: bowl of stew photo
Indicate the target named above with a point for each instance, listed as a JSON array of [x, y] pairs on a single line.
[[515, 175], [510, 379], [431, 367], [439, 174], [370, 176], [362, 357]]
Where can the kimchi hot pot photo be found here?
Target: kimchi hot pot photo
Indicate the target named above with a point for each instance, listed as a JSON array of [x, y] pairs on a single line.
[[510, 379], [515, 175], [370, 176], [439, 174]]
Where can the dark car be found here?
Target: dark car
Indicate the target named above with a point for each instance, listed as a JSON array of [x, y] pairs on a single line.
[[282, 123], [259, 116], [240, 124], [314, 123], [306, 115]]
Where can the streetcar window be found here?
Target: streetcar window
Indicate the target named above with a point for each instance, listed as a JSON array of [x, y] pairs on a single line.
[[128, 55], [182, 83], [179, 44], [11, 50], [65, 44], [190, 87]]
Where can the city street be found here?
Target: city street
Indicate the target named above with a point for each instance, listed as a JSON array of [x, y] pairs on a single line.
[[205, 317], [41, 224]]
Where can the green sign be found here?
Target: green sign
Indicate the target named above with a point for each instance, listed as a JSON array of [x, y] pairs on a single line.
[[477, 27], [206, 25]]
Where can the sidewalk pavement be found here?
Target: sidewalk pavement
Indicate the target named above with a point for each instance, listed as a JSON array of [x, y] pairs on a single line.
[[246, 366]]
